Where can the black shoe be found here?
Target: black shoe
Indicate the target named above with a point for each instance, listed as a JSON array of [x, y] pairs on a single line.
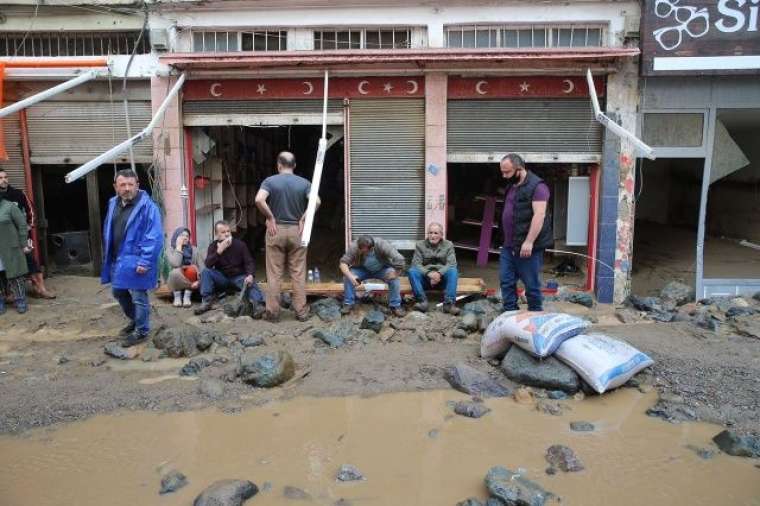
[[449, 307], [398, 311], [133, 339], [258, 311], [421, 306], [127, 331], [346, 309], [203, 308]]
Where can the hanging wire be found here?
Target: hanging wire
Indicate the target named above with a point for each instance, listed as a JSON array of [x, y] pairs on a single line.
[[124, 86], [26, 34]]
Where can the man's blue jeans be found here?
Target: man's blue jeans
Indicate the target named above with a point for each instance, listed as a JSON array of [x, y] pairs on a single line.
[[420, 282], [213, 282], [511, 268], [135, 305], [394, 286]]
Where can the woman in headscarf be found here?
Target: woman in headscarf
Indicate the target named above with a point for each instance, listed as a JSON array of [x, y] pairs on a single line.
[[186, 264], [13, 248]]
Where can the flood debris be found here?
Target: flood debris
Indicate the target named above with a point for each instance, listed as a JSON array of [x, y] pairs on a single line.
[[347, 472], [172, 481], [227, 493], [738, 445], [563, 458], [266, 370], [513, 489], [471, 409], [471, 381]]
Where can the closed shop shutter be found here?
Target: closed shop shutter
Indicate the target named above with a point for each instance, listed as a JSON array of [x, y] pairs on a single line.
[[540, 130], [15, 163], [77, 132], [260, 112], [387, 156]]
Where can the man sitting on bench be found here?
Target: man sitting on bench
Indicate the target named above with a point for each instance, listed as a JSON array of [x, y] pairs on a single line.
[[434, 266]]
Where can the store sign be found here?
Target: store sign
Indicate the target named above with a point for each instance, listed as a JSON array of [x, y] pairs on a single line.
[[700, 36]]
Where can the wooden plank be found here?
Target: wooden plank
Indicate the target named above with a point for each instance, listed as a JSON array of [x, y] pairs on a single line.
[[486, 231]]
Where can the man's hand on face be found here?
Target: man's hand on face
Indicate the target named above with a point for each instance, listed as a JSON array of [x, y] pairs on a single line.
[[435, 277], [181, 241], [141, 270], [223, 245]]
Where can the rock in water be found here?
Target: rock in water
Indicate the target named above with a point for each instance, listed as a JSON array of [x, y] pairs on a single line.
[[470, 409], [548, 373], [514, 490], [296, 493], [327, 309], [227, 493], [211, 388], [677, 292], [469, 322], [581, 427], [738, 446], [195, 366], [347, 472], [564, 458], [470, 381], [373, 321], [172, 481], [267, 370], [329, 338]]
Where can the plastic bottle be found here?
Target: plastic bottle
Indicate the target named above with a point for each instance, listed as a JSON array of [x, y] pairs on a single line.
[[310, 276], [316, 275]]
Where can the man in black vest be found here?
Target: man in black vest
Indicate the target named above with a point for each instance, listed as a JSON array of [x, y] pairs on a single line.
[[526, 226]]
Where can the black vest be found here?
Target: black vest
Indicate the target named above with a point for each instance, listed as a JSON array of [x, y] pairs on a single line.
[[523, 214]]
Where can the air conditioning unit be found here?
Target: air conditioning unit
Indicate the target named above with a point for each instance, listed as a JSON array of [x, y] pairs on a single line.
[[159, 39]]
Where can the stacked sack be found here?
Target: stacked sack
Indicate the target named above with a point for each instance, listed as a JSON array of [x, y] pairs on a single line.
[[603, 362]]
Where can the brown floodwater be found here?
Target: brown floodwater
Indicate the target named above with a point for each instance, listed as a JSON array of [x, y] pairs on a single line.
[[410, 447]]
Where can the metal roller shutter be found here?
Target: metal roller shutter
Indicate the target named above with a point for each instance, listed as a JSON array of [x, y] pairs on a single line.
[[76, 132], [265, 112], [15, 164], [387, 149], [550, 130]]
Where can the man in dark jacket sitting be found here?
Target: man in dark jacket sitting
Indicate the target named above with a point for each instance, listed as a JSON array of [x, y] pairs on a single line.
[[228, 264]]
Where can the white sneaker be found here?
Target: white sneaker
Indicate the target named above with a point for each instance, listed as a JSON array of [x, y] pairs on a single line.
[[186, 302], [177, 299]]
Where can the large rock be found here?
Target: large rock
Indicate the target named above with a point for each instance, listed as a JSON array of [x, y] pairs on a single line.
[[548, 373], [267, 370], [513, 489], [227, 493], [327, 309], [562, 457], [469, 380], [737, 445], [179, 341], [677, 292], [373, 321]]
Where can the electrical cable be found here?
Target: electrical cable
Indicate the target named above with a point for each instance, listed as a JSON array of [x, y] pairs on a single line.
[[26, 34], [563, 252], [124, 87]]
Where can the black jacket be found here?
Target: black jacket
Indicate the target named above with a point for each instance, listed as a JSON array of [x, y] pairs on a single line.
[[523, 214]]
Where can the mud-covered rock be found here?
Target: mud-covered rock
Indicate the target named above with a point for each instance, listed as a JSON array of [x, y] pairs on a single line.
[[179, 341], [469, 380], [677, 292], [563, 458], [548, 373], [469, 322], [459, 334], [737, 445], [267, 370], [327, 309], [330, 339], [116, 350], [471, 409], [556, 395], [347, 472], [194, 366], [172, 481], [151, 355], [581, 426], [227, 493], [252, 341], [373, 321], [204, 340], [513, 489]]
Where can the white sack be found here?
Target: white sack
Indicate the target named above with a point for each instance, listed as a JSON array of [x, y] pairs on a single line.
[[538, 333]]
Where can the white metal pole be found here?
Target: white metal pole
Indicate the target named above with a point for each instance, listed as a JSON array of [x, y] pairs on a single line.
[[124, 146], [317, 177], [55, 90]]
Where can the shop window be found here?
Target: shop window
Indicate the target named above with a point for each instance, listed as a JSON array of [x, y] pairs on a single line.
[[231, 41], [53, 44], [264, 40], [673, 129], [382, 38], [524, 36]]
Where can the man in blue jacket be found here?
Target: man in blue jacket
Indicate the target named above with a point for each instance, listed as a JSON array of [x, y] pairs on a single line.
[[132, 240]]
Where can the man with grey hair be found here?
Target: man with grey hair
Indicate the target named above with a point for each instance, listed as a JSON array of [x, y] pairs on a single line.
[[434, 265], [372, 258]]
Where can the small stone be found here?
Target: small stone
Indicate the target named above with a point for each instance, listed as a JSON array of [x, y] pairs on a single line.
[[117, 351], [433, 433], [347, 472], [295, 494], [513, 489], [172, 481], [523, 396], [151, 355], [97, 362], [226, 493], [211, 388], [579, 396], [373, 321], [756, 296], [557, 395], [551, 470], [479, 307], [702, 453], [267, 370], [471, 381], [737, 445], [564, 458], [469, 322], [471, 409], [459, 334], [550, 408], [582, 426], [194, 366], [342, 502], [330, 339], [63, 359], [252, 341]]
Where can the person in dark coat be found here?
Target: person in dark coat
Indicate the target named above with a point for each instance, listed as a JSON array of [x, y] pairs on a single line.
[[13, 233], [132, 240]]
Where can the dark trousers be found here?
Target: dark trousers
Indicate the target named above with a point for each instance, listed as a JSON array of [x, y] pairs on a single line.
[[511, 268], [136, 307], [213, 282]]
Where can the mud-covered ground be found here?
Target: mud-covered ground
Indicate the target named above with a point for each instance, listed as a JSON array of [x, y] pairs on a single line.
[[53, 369]]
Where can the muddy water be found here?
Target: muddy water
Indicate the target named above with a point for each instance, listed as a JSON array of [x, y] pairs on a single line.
[[409, 446]]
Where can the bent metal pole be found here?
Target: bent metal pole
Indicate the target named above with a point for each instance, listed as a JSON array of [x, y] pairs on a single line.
[[317, 177], [124, 146]]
